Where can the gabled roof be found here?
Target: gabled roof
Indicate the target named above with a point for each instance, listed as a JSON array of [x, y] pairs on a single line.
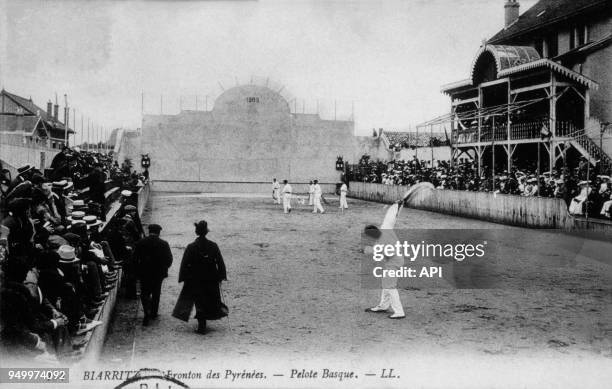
[[33, 109], [27, 104], [545, 13]]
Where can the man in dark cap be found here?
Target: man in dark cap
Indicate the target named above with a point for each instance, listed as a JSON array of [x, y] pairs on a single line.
[[24, 174], [152, 257], [202, 270], [19, 224]]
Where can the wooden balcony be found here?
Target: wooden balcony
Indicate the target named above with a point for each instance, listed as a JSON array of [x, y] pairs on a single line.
[[522, 132]]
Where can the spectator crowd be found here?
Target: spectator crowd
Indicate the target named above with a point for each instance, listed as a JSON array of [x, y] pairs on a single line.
[[587, 190], [59, 256]]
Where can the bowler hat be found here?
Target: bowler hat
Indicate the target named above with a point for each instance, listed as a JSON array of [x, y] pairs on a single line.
[[201, 227]]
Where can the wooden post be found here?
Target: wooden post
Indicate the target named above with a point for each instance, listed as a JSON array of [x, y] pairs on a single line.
[[416, 146], [479, 131], [538, 173], [493, 154], [508, 125], [553, 118], [430, 145]]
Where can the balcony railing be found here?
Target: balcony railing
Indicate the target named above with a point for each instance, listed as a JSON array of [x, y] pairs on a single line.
[[518, 131]]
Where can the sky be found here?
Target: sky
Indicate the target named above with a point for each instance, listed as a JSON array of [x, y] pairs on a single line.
[[383, 61]]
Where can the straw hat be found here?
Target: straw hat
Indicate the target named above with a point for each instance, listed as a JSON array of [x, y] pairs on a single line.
[[91, 221], [67, 254]]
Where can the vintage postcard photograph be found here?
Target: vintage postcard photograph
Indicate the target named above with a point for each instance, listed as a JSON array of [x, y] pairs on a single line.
[[306, 194]]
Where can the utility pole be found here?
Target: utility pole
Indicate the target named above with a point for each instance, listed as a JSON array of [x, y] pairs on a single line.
[[66, 117], [74, 125]]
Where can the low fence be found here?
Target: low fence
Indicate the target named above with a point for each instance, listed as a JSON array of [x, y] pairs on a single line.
[[535, 212], [97, 337]]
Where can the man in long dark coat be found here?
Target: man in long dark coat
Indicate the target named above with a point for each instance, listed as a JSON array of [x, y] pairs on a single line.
[[202, 270], [152, 257]]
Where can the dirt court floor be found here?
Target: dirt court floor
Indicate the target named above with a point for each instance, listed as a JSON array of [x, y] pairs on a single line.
[[294, 291]]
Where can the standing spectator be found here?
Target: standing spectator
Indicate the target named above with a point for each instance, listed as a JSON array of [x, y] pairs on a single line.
[[202, 270], [152, 257]]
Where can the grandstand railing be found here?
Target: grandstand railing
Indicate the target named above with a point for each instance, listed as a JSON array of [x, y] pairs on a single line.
[[518, 131]]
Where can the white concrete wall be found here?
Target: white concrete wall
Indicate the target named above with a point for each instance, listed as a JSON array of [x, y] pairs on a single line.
[[242, 141], [17, 154]]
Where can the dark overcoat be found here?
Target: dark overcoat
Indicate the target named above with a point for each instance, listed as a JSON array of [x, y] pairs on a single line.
[[152, 257], [202, 269]]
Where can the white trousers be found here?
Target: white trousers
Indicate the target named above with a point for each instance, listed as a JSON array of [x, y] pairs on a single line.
[[277, 196], [390, 298], [317, 205], [286, 203], [343, 203], [311, 199]]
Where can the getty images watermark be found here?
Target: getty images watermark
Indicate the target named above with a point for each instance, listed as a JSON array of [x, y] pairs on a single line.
[[423, 250], [504, 258]]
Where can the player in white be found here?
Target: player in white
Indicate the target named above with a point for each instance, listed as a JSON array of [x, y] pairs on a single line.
[[276, 191], [310, 193], [317, 197], [389, 296], [287, 197], [343, 191]]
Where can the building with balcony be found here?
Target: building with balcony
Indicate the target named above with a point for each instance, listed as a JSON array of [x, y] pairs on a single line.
[[538, 90]]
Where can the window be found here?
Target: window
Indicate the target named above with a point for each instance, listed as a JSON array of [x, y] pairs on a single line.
[[551, 46], [579, 35], [252, 99]]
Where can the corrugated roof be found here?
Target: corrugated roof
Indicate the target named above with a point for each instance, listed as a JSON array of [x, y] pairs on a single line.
[[545, 13]]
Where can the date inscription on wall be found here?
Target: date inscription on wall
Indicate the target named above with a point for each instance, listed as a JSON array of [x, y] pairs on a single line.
[[252, 99]]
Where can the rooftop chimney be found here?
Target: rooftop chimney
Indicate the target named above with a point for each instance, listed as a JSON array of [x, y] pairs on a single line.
[[49, 108], [511, 9], [55, 111]]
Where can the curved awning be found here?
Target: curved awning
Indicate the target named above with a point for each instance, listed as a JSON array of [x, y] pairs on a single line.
[[506, 56], [516, 59]]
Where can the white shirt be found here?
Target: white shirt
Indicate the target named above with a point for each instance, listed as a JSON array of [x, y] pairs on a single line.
[[343, 189], [287, 190], [275, 185], [317, 190]]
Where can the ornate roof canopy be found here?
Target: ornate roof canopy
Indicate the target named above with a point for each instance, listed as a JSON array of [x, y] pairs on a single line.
[[496, 61]]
